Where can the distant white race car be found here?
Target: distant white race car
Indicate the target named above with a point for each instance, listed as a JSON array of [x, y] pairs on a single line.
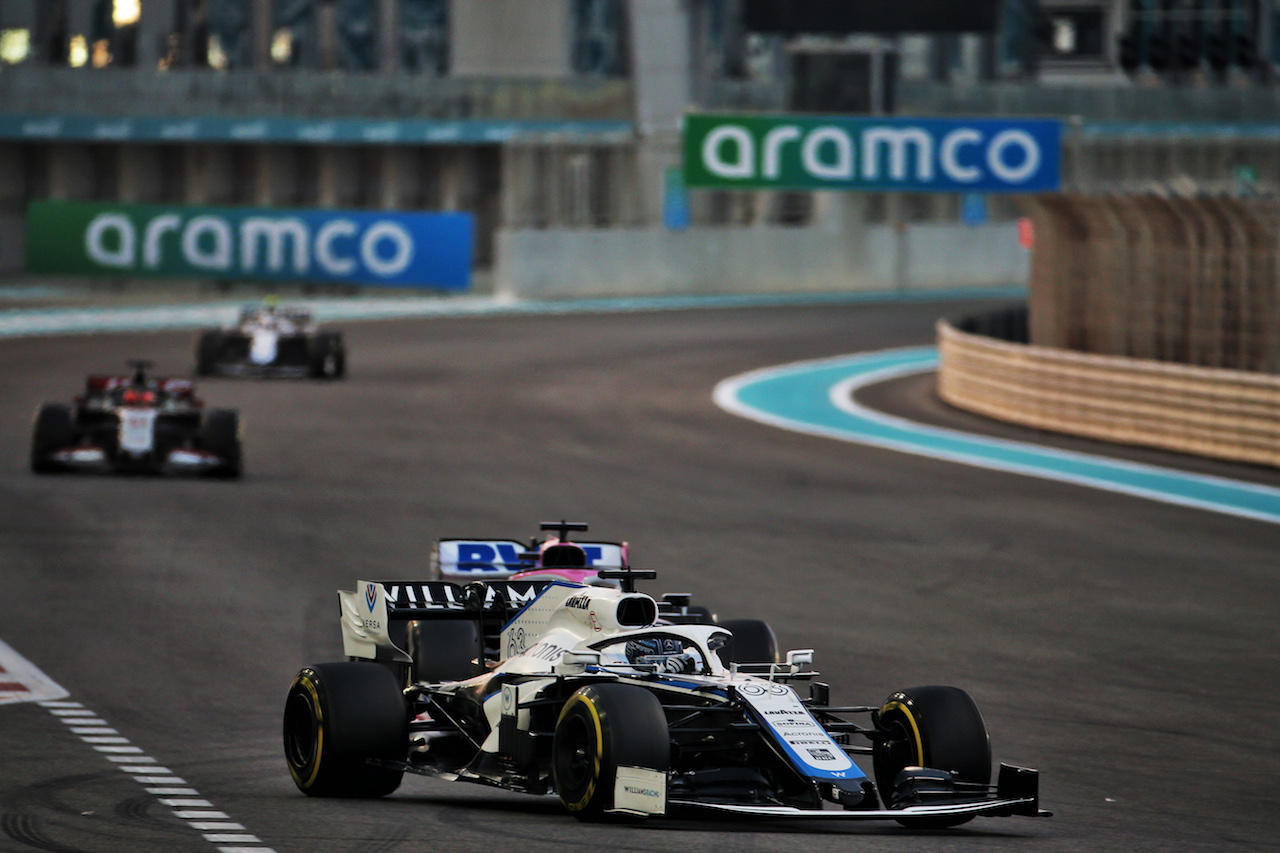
[[588, 691], [268, 340]]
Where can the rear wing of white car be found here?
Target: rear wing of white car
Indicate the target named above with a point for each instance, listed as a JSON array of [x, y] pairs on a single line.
[[368, 610], [467, 560]]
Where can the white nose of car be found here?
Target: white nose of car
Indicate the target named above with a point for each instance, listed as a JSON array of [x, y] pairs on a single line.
[[262, 350]]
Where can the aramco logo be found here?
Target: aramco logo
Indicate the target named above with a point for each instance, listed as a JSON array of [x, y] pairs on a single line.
[[809, 152], [256, 245], [430, 249]]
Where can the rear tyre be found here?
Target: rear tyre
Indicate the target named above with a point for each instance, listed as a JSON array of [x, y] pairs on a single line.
[[701, 615], [328, 356], [603, 727], [443, 650], [935, 727], [220, 435], [208, 346], [54, 429], [753, 642], [337, 717]]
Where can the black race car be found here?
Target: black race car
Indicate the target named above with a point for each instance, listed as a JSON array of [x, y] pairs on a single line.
[[272, 341], [137, 424]]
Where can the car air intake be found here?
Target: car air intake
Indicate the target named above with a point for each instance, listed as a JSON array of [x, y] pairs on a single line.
[[637, 611]]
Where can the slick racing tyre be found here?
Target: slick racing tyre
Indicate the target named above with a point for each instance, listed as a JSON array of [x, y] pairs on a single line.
[[602, 727], [328, 357], [442, 650], [220, 435], [208, 348], [934, 727], [54, 430], [337, 717], [701, 615], [753, 642]]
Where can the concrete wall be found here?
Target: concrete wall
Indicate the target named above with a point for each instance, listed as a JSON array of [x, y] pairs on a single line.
[[650, 261], [517, 38]]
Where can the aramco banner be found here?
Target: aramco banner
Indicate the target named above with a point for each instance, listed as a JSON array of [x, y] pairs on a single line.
[[362, 247], [871, 153]]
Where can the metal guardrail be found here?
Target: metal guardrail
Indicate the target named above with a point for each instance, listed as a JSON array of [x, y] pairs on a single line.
[[1118, 107], [312, 94], [1121, 101], [1224, 414]]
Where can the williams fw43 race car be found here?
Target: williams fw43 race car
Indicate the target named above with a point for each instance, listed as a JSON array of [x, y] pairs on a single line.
[[272, 341], [587, 692], [136, 424]]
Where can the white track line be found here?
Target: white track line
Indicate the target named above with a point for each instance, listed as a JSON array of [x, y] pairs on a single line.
[[21, 681], [170, 790]]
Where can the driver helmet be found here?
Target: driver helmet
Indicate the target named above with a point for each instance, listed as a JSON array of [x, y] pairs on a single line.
[[652, 646], [554, 554], [138, 395]]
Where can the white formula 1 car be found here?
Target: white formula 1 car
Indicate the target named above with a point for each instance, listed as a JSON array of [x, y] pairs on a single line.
[[137, 424], [587, 691], [268, 340]]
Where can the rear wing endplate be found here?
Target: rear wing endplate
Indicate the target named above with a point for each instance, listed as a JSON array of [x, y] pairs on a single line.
[[367, 611]]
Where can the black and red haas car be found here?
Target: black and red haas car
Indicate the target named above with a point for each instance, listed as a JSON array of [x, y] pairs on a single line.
[[137, 424]]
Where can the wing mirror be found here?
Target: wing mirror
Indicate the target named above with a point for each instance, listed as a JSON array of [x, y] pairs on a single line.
[[573, 663], [797, 658]]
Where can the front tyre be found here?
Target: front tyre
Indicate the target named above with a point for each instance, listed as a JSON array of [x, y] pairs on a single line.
[[603, 727], [328, 356], [337, 717], [208, 349], [220, 435], [935, 727], [54, 430]]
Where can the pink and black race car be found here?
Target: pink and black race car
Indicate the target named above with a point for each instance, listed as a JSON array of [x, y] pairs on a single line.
[[136, 424], [553, 558], [560, 559]]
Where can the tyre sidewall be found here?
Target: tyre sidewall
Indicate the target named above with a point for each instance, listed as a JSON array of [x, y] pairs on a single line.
[[54, 429], [208, 349], [220, 435], [935, 727], [625, 726], [358, 713], [328, 358]]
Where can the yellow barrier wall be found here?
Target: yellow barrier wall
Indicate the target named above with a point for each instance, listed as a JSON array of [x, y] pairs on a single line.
[[1221, 413]]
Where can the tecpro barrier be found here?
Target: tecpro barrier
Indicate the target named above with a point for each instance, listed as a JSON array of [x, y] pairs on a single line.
[[1225, 414], [862, 153], [1188, 280], [362, 247]]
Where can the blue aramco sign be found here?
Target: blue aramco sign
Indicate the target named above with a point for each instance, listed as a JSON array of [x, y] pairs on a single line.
[[872, 153], [362, 247]]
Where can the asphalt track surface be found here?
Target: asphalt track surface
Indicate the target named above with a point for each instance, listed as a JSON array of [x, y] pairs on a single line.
[[1128, 649]]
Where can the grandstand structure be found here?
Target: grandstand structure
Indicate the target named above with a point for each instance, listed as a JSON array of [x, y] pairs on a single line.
[[560, 118]]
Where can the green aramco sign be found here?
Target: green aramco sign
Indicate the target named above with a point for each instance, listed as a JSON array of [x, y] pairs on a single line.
[[871, 153]]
